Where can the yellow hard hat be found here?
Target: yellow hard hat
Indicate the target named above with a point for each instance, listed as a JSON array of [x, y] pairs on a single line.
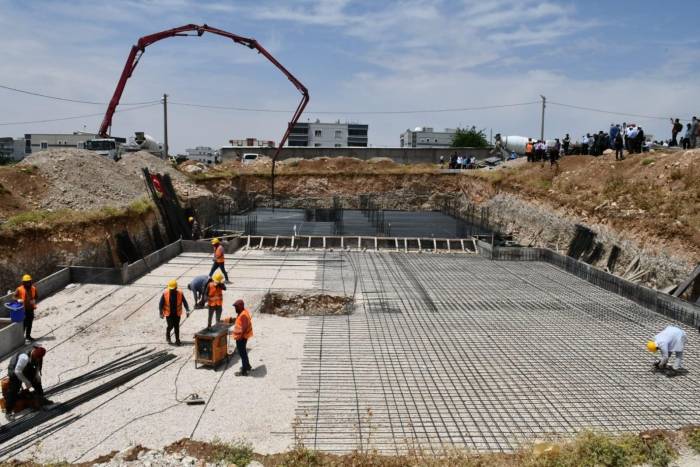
[[172, 285], [215, 241], [218, 277], [191, 218], [651, 346], [26, 278]]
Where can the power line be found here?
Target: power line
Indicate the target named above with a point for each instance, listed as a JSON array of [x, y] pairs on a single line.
[[353, 112], [66, 99], [76, 117], [624, 114]]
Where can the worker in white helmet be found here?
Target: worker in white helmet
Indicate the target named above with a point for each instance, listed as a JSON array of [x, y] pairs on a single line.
[[669, 341]]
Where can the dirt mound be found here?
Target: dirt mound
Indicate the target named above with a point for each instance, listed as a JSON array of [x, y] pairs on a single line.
[[305, 305], [651, 197], [81, 180], [132, 163]]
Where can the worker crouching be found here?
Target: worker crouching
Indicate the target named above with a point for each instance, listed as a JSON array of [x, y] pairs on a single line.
[[25, 368], [215, 297], [669, 341], [171, 304], [242, 331]]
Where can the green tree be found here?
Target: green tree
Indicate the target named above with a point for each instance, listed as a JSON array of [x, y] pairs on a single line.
[[469, 138]]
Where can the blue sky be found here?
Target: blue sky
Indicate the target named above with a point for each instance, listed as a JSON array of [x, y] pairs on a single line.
[[355, 56]]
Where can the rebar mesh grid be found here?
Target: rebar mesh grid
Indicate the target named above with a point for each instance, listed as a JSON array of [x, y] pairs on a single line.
[[451, 351]]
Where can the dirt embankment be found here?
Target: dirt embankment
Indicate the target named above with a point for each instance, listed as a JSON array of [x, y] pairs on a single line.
[[68, 206], [40, 251], [647, 205]]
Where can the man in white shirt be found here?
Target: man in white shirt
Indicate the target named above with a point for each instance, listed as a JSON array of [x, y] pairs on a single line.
[[669, 341], [24, 368]]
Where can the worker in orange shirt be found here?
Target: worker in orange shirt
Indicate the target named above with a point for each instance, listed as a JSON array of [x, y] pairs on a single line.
[[170, 306], [215, 296], [242, 331], [218, 259], [26, 293]]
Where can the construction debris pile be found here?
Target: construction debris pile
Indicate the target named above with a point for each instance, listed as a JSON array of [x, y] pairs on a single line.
[[306, 305], [79, 180]]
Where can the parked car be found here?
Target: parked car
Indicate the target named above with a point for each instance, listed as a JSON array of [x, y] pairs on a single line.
[[249, 158]]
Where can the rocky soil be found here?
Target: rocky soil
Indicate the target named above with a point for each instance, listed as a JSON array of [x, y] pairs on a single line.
[[305, 305], [79, 180]]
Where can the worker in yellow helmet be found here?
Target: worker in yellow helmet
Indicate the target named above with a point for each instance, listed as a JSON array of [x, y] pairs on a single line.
[[27, 294], [195, 228], [171, 303], [669, 341], [219, 259], [215, 297]]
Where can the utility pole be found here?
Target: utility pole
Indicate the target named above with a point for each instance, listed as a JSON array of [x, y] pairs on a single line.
[[165, 126], [544, 104]]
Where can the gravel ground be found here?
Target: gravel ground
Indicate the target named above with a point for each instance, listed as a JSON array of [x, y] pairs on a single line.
[[80, 180], [259, 409]]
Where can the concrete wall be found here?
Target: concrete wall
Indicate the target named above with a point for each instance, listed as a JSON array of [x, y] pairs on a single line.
[[137, 269], [400, 155], [45, 287], [11, 336]]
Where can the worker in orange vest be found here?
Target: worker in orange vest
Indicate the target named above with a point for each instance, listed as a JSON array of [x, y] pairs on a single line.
[[218, 259], [215, 297], [26, 293], [171, 303], [242, 331]]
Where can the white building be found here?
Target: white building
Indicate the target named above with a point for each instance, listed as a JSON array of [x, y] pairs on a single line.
[[34, 142], [252, 142], [328, 135], [427, 137], [203, 154]]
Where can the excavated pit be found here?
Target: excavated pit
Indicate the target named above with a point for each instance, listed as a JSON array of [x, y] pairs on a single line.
[[294, 305]]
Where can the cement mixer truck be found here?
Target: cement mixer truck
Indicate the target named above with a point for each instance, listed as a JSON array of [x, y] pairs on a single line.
[[517, 144], [114, 147]]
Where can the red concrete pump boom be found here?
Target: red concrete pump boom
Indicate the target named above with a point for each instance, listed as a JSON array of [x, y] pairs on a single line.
[[140, 47]]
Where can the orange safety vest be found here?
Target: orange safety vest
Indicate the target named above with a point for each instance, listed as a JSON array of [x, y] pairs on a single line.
[[166, 304], [219, 254], [528, 147], [215, 294], [29, 303], [243, 329]]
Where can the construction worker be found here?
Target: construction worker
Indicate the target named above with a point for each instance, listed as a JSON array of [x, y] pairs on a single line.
[[215, 296], [198, 286], [26, 293], [242, 331], [218, 258], [671, 340], [195, 228], [171, 303], [25, 368]]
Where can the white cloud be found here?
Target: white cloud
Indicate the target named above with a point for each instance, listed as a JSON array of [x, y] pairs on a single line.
[[405, 54]]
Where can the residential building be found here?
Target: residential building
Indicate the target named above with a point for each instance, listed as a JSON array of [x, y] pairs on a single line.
[[34, 142], [427, 137], [328, 135], [252, 142], [203, 154]]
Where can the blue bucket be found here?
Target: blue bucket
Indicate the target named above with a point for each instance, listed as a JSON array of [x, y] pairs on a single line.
[[16, 311]]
